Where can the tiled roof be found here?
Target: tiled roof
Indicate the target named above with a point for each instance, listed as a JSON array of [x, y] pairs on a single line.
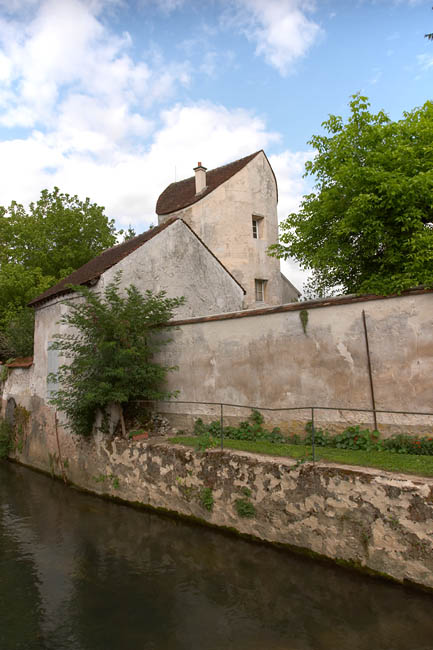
[[92, 271], [182, 194], [21, 362], [98, 265]]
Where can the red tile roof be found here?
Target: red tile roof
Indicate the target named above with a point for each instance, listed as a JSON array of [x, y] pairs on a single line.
[[182, 194], [20, 362], [92, 271]]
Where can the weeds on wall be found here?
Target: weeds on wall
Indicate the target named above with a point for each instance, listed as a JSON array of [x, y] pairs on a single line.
[[206, 498], [245, 508], [303, 315]]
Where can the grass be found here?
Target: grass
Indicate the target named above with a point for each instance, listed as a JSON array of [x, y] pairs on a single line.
[[406, 463]]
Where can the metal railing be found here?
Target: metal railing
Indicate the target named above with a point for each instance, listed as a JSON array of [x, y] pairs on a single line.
[[312, 409]]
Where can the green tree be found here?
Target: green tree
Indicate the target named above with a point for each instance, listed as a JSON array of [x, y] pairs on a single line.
[[110, 345], [367, 226], [58, 234], [16, 339]]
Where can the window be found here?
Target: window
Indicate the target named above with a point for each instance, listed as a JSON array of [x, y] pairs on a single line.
[[260, 290], [52, 367], [257, 222]]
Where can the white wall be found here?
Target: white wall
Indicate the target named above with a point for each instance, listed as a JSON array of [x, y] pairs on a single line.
[[223, 220]]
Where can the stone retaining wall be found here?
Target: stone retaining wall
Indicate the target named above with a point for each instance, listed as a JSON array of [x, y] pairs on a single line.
[[371, 519]]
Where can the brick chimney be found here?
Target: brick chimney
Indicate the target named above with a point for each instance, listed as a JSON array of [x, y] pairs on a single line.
[[200, 178]]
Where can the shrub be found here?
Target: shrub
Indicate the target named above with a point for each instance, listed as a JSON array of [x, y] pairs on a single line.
[[111, 351], [321, 438], [357, 438], [251, 429], [404, 444]]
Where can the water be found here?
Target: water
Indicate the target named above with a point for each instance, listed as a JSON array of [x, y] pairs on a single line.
[[80, 573]]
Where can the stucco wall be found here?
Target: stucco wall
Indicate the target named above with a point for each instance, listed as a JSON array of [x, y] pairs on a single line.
[[177, 262], [366, 518], [223, 220], [267, 360], [174, 261]]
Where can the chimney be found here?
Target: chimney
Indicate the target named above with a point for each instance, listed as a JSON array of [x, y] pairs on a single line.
[[200, 178]]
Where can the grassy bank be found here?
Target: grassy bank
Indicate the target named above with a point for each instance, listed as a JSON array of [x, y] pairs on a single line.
[[406, 463]]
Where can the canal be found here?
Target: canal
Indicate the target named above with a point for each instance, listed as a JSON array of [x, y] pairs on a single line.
[[81, 573]]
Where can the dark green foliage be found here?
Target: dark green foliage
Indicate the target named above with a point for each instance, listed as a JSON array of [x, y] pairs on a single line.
[[356, 438], [206, 498], [353, 437], [205, 441], [367, 225], [57, 235], [111, 350], [322, 438], [40, 246], [16, 339], [404, 444], [5, 438], [245, 508], [251, 429]]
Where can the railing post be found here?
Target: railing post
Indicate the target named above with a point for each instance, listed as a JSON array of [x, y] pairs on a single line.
[[313, 442], [222, 427]]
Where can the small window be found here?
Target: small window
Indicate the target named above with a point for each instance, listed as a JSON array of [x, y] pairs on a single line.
[[260, 290], [257, 222], [52, 368]]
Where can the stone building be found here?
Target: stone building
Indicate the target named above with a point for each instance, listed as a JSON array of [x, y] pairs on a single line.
[[170, 257], [233, 209]]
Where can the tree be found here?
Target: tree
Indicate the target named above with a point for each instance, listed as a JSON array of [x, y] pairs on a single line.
[[111, 345], [58, 234], [367, 226]]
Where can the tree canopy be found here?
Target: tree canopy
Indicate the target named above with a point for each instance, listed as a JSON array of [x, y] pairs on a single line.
[[367, 227], [110, 342], [40, 246]]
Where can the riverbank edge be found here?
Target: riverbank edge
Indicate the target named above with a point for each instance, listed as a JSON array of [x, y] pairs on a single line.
[[167, 479]]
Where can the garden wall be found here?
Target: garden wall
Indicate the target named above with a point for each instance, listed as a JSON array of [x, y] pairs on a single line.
[[269, 358]]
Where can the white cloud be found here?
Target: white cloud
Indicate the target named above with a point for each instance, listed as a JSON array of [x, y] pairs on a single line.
[[89, 109], [127, 180], [425, 61], [280, 29], [66, 51]]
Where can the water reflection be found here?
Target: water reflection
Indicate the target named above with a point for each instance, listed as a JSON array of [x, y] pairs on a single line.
[[83, 574]]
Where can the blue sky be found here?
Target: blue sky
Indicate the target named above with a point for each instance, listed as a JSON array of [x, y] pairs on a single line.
[[113, 99]]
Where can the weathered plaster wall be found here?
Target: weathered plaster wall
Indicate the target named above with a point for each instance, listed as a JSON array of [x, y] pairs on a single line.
[[267, 360], [223, 220], [177, 262], [367, 518]]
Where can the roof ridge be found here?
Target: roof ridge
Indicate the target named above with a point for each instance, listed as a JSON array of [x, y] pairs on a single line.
[[181, 194]]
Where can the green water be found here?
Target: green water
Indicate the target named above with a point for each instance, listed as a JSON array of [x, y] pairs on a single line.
[[80, 573]]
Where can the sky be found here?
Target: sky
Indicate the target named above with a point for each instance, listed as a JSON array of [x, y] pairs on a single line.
[[115, 99]]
